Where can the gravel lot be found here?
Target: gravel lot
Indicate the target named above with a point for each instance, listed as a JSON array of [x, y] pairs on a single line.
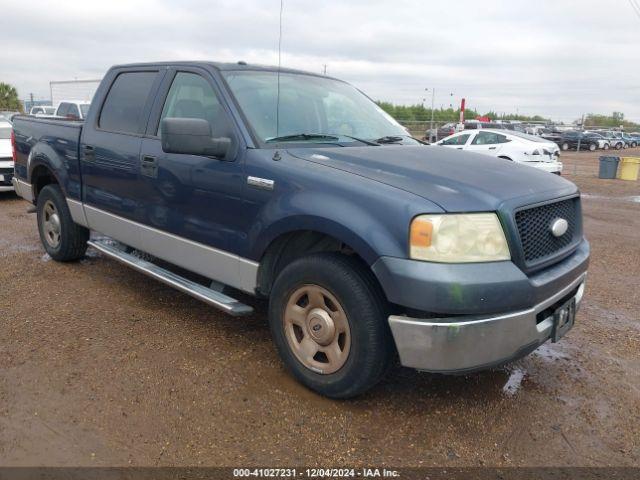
[[100, 365]]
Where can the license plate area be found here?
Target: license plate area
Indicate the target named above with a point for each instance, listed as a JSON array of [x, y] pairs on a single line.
[[563, 319]]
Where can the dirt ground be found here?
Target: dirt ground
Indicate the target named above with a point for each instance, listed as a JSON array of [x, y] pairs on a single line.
[[100, 365]]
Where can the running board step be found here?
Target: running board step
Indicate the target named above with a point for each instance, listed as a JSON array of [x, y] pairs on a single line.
[[216, 299]]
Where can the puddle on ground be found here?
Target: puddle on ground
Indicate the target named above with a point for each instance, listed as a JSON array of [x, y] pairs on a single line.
[[550, 352], [514, 382], [12, 247]]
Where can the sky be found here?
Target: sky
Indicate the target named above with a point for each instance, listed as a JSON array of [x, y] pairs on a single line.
[[559, 59]]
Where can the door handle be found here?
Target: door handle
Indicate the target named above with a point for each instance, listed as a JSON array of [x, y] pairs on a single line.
[[492, 148], [458, 148], [89, 153], [149, 166]]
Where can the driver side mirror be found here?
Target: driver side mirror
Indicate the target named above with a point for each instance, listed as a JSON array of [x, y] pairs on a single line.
[[192, 136]]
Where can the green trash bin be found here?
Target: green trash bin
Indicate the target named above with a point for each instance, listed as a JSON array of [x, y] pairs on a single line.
[[608, 167]]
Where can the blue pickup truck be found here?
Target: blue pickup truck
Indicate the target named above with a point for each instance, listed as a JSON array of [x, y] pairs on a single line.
[[297, 188]]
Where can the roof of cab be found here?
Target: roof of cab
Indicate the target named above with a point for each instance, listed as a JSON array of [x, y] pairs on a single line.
[[222, 66]]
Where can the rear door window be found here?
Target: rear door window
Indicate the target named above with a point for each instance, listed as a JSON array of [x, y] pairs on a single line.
[[486, 138], [125, 103]]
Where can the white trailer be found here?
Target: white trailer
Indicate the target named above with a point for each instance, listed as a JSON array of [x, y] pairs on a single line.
[[75, 90]]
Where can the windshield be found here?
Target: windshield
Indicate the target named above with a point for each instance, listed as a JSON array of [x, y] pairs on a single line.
[[84, 108], [310, 105]]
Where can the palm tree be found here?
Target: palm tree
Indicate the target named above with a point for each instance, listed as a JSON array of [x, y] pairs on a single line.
[[9, 98]]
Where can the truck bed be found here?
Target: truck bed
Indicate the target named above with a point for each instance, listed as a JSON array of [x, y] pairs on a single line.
[[48, 141]]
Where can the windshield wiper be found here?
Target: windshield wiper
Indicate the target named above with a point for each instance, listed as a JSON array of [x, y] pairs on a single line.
[[389, 139], [303, 136], [319, 136]]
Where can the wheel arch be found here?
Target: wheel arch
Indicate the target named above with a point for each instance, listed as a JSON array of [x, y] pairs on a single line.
[[308, 236]]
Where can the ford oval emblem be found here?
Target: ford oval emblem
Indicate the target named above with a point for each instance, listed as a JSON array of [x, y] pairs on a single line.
[[559, 227]]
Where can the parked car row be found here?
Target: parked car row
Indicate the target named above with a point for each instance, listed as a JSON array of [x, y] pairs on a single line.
[[593, 140]]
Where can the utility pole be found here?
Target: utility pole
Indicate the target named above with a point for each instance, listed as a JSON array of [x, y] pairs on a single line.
[[581, 130], [433, 95], [325, 69]]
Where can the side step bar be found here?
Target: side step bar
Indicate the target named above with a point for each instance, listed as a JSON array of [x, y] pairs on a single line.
[[216, 299]]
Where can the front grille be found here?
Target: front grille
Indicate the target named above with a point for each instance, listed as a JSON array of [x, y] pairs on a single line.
[[534, 227]]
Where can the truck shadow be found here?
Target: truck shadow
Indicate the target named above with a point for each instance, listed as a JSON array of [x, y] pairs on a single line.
[[399, 386]]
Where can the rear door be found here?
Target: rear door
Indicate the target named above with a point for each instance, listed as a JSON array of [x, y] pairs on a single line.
[[110, 149]]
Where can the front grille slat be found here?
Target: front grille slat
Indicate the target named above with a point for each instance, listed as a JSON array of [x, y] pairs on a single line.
[[534, 228]]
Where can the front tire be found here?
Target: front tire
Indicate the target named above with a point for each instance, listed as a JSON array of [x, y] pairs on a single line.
[[606, 146], [62, 238], [565, 147], [592, 147], [328, 319]]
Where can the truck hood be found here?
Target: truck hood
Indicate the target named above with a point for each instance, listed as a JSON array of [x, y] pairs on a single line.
[[456, 181]]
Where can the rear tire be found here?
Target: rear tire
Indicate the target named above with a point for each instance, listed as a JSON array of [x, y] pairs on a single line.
[[62, 238], [606, 146], [564, 147], [592, 147], [328, 302]]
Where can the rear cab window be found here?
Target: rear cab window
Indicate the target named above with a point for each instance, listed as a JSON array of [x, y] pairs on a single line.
[[124, 106]]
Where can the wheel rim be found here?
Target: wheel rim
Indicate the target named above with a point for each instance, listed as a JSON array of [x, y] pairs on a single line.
[[51, 224], [317, 329]]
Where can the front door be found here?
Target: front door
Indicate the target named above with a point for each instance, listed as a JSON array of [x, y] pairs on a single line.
[[194, 197]]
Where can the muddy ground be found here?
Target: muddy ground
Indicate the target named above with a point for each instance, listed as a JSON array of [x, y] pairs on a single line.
[[100, 365]]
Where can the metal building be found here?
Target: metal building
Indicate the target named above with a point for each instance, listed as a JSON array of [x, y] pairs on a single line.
[[78, 90]]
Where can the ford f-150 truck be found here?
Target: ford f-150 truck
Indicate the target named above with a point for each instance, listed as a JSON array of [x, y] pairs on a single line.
[[297, 188]]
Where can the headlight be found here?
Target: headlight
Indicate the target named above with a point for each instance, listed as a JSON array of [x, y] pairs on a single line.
[[458, 238]]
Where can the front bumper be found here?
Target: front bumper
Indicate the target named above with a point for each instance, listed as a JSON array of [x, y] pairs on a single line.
[[458, 345], [475, 315]]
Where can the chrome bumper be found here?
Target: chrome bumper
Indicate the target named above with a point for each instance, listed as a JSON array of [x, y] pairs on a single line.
[[467, 344], [23, 189]]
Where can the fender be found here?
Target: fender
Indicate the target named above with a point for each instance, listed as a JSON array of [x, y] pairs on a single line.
[[43, 155], [345, 221]]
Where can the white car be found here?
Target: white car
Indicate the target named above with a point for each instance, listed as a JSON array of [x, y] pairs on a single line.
[[73, 110], [6, 157], [603, 143], [515, 146], [42, 111]]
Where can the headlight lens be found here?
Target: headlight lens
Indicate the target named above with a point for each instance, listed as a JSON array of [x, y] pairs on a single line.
[[458, 238]]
